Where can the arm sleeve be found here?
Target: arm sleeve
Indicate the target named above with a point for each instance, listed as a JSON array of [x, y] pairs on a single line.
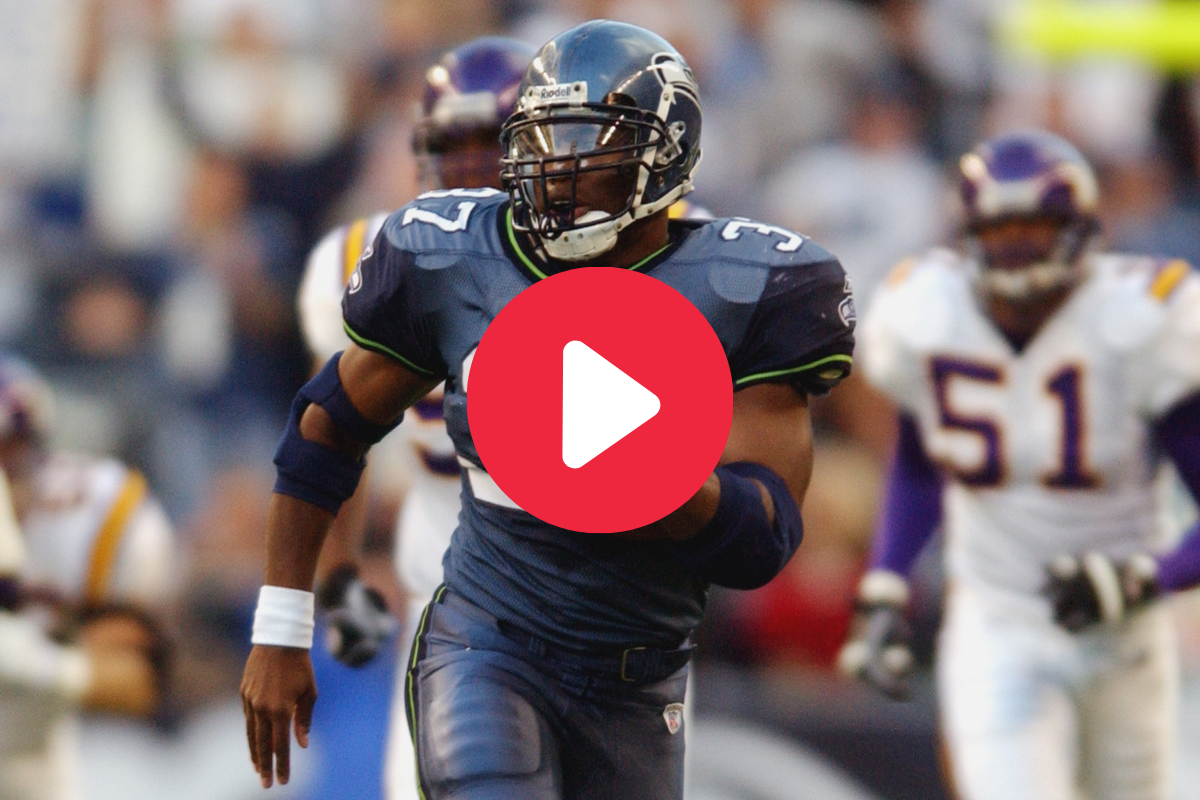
[[802, 330], [388, 307], [912, 506], [738, 549], [1178, 433]]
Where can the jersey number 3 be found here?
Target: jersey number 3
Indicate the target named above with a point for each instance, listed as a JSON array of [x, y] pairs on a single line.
[[1064, 385]]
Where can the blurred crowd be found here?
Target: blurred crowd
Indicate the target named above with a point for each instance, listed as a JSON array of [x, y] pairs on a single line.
[[166, 166]]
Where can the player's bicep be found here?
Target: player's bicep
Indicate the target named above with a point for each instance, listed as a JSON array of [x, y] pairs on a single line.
[[380, 387], [771, 427]]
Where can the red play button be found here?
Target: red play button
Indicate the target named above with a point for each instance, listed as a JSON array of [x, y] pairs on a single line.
[[599, 400]]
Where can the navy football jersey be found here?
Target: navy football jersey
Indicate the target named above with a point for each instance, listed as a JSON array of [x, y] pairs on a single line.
[[443, 266]]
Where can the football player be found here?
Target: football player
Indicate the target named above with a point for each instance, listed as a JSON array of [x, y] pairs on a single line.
[[95, 570], [468, 95], [1040, 382], [503, 698]]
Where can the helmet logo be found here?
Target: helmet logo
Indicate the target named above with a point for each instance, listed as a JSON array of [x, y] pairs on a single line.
[[675, 76], [846, 311]]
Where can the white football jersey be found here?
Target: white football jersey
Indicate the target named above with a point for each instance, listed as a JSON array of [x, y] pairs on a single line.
[[93, 533], [329, 267], [1047, 450], [429, 514]]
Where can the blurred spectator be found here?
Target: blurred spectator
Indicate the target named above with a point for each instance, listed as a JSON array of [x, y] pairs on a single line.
[[873, 198], [1143, 213]]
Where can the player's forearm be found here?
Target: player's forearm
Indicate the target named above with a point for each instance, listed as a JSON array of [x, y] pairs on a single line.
[[295, 533], [343, 542]]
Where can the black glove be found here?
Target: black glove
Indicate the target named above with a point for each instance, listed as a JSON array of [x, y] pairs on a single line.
[[357, 618], [1091, 588], [879, 650]]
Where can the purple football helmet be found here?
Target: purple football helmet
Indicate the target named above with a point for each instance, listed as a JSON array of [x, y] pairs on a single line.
[[468, 95], [1029, 175]]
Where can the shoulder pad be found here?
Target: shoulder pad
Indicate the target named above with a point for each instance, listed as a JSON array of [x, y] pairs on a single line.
[[1137, 294], [446, 221], [922, 296]]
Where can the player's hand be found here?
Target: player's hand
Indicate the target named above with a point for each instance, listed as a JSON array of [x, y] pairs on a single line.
[[1084, 590], [357, 617], [879, 650], [277, 686]]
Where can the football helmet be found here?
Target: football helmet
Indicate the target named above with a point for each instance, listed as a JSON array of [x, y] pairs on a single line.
[[1031, 175], [468, 95], [602, 104], [26, 402]]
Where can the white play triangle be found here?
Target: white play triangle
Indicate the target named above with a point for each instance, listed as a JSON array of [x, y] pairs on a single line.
[[601, 404]]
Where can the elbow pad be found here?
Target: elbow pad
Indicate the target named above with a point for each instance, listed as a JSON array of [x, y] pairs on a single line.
[[311, 471], [738, 548]]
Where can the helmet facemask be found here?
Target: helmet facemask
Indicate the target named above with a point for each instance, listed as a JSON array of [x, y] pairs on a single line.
[[1021, 272], [579, 172]]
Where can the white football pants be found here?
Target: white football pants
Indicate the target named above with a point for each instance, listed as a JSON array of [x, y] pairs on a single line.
[[1032, 712]]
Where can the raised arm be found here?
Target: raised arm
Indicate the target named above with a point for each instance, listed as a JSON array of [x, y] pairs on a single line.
[[336, 416]]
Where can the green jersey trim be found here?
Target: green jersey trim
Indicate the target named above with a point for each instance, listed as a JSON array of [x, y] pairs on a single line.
[[379, 348], [529, 265], [780, 372]]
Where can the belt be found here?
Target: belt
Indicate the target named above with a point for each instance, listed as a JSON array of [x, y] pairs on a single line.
[[485, 488], [631, 665]]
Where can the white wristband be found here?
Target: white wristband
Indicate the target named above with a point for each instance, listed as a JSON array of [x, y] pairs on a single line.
[[284, 617]]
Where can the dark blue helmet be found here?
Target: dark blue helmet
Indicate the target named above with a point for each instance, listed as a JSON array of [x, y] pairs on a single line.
[[603, 97], [1029, 175], [468, 95]]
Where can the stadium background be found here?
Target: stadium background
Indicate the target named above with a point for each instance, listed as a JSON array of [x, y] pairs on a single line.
[[165, 166]]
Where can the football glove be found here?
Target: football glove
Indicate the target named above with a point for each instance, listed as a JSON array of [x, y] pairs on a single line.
[[357, 619], [1084, 590], [879, 650]]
